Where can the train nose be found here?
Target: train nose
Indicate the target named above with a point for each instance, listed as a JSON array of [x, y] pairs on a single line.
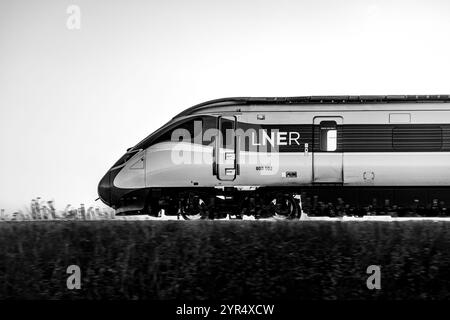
[[104, 189]]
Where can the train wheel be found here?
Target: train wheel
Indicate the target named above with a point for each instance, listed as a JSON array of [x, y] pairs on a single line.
[[283, 206], [193, 207]]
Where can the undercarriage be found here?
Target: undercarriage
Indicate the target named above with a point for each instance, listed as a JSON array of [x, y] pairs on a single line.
[[291, 203]]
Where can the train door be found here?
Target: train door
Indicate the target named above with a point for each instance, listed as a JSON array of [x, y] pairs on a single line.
[[327, 155], [226, 149]]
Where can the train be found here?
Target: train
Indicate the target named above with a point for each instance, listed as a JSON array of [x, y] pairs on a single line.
[[285, 156]]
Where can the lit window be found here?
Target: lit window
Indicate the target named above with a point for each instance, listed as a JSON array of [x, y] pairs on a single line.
[[331, 140], [328, 136]]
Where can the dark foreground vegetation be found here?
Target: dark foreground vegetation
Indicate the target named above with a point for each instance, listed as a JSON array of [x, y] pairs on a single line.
[[224, 260]]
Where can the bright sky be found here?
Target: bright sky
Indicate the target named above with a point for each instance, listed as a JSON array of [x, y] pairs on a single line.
[[72, 101]]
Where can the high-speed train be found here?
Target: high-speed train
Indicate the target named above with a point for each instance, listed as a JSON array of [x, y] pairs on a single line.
[[276, 156]]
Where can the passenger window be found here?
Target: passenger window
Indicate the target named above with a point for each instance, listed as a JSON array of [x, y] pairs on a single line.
[[328, 136]]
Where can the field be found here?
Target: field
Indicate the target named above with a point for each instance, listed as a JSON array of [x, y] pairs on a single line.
[[224, 260]]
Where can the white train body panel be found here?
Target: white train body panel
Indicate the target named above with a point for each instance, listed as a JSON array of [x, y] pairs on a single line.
[[397, 169]]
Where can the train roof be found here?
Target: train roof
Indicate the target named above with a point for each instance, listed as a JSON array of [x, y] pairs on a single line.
[[234, 102]]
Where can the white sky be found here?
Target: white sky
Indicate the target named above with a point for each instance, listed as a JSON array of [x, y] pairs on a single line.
[[72, 101]]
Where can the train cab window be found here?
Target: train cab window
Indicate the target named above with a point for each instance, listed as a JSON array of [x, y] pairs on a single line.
[[188, 131], [328, 136]]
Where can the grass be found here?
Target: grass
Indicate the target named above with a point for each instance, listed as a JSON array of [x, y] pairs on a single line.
[[45, 210], [224, 260]]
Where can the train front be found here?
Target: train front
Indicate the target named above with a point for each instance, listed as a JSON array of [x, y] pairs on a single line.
[[123, 186]]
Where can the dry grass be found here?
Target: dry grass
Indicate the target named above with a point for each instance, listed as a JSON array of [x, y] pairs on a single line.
[[45, 210]]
